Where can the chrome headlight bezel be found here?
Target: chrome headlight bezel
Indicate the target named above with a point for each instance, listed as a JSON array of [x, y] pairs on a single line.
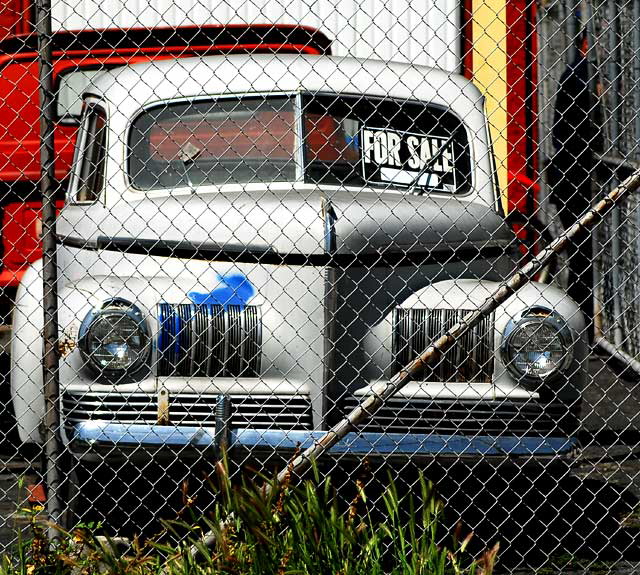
[[117, 307], [544, 317]]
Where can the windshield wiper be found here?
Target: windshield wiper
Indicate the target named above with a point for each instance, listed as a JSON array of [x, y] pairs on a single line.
[[188, 155]]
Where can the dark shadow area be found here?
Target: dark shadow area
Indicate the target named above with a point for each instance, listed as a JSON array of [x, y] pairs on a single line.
[[10, 445], [538, 513], [119, 498]]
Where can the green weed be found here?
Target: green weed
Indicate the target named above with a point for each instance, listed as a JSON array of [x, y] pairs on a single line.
[[280, 530]]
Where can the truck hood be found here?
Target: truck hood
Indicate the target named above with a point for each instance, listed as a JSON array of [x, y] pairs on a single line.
[[296, 223]]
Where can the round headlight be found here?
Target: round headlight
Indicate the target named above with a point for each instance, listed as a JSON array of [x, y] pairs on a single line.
[[537, 345], [114, 338]]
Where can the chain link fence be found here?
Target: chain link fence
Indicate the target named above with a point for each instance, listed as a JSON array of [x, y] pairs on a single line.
[[256, 216]]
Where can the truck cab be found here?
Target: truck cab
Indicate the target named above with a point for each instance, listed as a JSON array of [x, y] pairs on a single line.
[[251, 241]]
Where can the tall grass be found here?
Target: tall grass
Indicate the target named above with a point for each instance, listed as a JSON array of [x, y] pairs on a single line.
[[283, 530]]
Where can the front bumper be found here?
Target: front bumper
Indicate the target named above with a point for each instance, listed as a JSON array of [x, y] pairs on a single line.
[[93, 437]]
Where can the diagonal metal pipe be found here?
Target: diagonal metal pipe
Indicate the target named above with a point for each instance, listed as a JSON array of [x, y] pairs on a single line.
[[382, 391], [434, 352]]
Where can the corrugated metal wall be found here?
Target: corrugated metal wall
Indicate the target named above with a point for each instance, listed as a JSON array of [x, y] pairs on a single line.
[[424, 32]]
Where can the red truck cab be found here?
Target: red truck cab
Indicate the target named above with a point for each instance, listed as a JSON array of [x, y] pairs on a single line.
[[77, 57]]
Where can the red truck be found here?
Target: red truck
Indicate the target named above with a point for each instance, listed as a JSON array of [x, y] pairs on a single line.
[[77, 57]]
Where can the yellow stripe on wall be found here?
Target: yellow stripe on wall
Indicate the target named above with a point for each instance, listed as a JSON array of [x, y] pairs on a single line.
[[490, 75]]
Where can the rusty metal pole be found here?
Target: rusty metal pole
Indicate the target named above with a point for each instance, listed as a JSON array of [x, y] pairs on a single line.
[[52, 443], [383, 391], [614, 91]]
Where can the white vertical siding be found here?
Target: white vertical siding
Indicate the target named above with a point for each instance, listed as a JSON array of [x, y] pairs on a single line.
[[421, 32]]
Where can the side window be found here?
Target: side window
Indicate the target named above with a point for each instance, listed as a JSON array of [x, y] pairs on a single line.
[[88, 171]]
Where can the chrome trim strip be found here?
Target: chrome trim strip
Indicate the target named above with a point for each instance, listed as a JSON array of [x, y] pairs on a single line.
[[267, 256], [96, 433]]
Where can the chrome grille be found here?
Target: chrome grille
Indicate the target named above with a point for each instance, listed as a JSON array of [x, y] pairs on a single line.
[[254, 411], [470, 360], [209, 340], [494, 417]]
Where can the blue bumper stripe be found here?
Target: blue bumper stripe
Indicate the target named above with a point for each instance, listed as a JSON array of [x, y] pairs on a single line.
[[360, 444]]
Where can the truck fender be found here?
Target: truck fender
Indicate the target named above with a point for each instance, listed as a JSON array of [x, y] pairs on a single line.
[[26, 375]]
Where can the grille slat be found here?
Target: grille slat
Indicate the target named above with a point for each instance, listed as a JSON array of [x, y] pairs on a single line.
[[471, 359], [209, 340], [260, 412], [400, 415]]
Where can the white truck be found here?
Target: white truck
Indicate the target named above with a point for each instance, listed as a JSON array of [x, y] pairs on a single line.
[[251, 241]]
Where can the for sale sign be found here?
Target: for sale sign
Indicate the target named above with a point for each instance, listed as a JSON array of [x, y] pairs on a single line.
[[421, 161]]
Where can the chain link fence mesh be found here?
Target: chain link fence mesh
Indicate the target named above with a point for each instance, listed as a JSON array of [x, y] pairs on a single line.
[[268, 209]]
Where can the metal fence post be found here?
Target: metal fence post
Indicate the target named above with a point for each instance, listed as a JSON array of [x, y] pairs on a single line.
[[614, 95], [636, 68], [52, 445], [635, 38]]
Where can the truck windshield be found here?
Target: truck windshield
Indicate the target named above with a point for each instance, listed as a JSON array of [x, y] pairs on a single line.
[[348, 140], [358, 141], [213, 142]]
